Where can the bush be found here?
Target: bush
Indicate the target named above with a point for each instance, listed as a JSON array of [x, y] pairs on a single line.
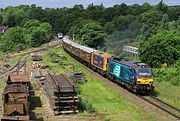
[[168, 74]]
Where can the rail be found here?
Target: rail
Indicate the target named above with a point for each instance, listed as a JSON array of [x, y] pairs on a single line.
[[173, 111], [147, 100], [24, 54]]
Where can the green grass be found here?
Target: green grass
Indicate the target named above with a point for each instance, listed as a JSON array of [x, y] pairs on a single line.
[[98, 98], [167, 85], [168, 92], [1, 54], [108, 102]]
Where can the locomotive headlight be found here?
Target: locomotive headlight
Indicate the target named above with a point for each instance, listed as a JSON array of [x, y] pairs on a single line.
[[138, 81]]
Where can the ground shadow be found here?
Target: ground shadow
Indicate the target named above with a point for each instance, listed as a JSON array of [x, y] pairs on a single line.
[[35, 102], [85, 106], [155, 93]]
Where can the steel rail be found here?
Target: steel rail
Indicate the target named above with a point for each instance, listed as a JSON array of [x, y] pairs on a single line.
[[165, 103], [161, 107], [23, 54], [169, 112]]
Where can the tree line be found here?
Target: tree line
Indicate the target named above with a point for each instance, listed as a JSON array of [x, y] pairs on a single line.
[[154, 29]]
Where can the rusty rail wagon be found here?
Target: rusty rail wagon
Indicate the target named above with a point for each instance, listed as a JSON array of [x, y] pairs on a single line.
[[16, 102], [61, 93], [16, 94]]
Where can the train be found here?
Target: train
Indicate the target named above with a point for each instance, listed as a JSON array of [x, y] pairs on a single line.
[[16, 96], [135, 76]]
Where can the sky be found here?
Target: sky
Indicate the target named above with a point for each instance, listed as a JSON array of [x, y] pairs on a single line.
[[85, 3]]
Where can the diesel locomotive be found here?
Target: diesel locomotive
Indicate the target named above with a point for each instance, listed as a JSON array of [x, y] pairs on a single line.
[[135, 76]]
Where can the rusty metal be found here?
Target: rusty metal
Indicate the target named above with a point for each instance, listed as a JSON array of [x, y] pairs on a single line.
[[16, 94], [18, 78], [16, 102], [16, 88]]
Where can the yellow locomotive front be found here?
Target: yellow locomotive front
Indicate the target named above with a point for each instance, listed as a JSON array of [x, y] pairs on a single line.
[[144, 78]]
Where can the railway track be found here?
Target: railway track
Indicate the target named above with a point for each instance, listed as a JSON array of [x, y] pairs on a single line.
[[23, 57], [175, 112], [21, 62]]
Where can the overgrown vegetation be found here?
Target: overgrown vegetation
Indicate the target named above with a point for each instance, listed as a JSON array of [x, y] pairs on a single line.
[[102, 28], [154, 29], [31, 34], [161, 48], [170, 75], [96, 97], [167, 84]]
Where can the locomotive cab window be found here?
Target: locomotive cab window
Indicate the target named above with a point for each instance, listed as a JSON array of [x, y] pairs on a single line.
[[143, 72]]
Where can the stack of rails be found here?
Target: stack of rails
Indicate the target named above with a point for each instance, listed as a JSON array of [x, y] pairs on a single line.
[[61, 93]]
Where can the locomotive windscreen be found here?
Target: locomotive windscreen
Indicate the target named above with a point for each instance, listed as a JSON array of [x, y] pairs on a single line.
[[144, 72]]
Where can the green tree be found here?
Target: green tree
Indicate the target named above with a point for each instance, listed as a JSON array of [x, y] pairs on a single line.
[[164, 22], [163, 47], [150, 23], [13, 39], [40, 34], [78, 7], [109, 27], [92, 35], [162, 7]]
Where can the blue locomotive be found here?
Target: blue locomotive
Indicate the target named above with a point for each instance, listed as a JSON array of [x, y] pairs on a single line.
[[136, 76]]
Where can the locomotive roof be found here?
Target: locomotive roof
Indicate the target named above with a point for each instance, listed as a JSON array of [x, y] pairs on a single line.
[[129, 63], [84, 48]]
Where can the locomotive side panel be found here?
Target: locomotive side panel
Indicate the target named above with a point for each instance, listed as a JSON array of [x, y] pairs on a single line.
[[121, 72]]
